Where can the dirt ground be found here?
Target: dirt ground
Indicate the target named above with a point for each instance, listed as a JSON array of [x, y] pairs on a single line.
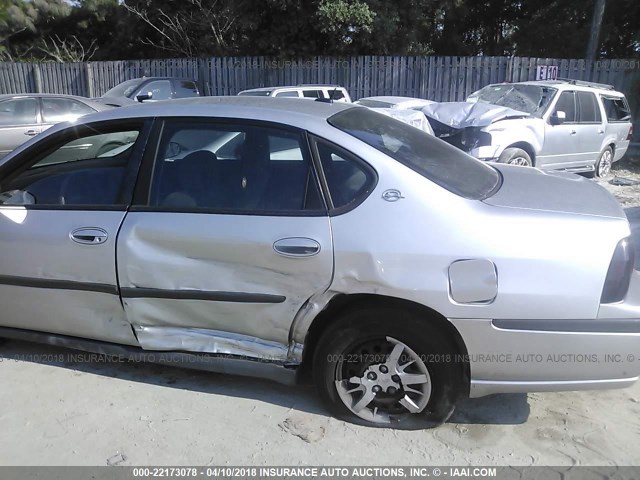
[[626, 169], [60, 410], [59, 407]]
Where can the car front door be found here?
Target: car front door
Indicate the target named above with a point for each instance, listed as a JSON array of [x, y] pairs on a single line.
[[560, 139], [230, 241], [18, 122], [59, 219]]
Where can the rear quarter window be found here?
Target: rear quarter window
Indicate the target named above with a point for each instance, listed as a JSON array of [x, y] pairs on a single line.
[[616, 109]]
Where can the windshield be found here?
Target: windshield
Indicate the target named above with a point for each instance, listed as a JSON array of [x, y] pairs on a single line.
[[124, 89], [532, 99], [430, 157]]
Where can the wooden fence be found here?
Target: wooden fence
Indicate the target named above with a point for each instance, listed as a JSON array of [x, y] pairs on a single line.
[[436, 78]]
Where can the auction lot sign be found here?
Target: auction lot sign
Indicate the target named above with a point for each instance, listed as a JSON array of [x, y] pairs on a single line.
[[317, 472]]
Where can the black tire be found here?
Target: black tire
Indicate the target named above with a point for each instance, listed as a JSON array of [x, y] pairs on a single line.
[[604, 163], [367, 326], [515, 156]]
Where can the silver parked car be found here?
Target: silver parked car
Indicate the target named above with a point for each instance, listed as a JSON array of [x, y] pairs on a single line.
[[25, 115], [273, 237], [553, 125], [405, 109]]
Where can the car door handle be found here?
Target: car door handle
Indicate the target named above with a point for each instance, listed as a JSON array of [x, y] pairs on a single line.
[[600, 132], [31, 133], [89, 236], [573, 132], [297, 247]]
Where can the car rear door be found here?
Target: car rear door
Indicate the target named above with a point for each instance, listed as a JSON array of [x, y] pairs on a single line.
[[59, 219], [229, 242], [18, 122], [590, 129]]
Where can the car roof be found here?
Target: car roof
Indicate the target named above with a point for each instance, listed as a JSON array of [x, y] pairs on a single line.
[[256, 108], [158, 78], [40, 95], [570, 85], [291, 87], [88, 101]]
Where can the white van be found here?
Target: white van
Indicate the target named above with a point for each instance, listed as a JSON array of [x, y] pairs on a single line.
[[313, 92]]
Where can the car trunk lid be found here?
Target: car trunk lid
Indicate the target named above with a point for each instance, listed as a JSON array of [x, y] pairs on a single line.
[[533, 189]]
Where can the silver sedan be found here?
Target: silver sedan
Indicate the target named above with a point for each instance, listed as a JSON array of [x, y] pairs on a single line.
[[276, 237], [23, 116]]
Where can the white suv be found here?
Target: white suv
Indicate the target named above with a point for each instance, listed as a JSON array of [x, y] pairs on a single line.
[[312, 92], [553, 125]]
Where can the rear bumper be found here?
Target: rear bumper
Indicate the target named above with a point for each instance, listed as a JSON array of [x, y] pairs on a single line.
[[507, 356]]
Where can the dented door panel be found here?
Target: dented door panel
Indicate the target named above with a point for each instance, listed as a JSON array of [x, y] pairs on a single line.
[[219, 273]]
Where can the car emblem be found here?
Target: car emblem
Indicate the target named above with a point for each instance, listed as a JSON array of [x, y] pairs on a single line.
[[392, 195], [244, 182]]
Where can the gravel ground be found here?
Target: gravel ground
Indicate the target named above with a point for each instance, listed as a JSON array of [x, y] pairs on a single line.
[[58, 410], [628, 169]]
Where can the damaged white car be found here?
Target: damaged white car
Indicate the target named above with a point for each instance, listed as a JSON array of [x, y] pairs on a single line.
[[405, 109], [553, 125], [274, 237]]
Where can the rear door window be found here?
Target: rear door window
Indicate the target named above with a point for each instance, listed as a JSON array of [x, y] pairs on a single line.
[[589, 108], [19, 111], [234, 169]]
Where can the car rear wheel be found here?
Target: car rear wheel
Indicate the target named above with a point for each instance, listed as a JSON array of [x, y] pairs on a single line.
[[515, 156], [604, 163], [387, 368]]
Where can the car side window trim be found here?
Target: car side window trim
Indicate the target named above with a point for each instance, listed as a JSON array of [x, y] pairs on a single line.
[[333, 211], [27, 159], [142, 194]]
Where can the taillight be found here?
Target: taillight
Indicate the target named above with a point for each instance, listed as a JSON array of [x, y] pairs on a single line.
[[630, 136], [619, 274]]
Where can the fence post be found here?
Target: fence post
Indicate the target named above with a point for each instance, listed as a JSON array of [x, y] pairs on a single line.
[[37, 77], [88, 75]]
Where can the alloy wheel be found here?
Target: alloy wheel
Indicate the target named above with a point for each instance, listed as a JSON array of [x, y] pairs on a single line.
[[383, 380]]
